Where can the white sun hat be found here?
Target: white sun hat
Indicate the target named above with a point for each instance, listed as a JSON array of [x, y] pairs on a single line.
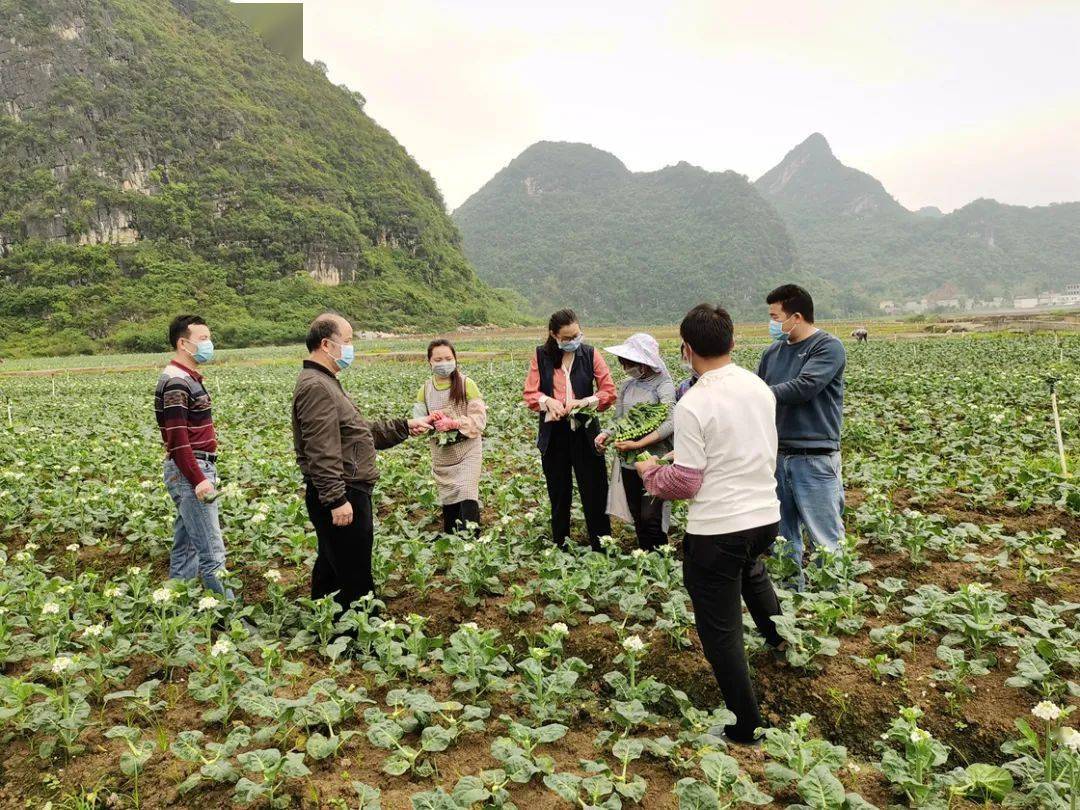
[[640, 348]]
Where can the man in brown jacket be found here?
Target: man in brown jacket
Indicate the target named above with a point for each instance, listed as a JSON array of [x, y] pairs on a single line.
[[335, 449]]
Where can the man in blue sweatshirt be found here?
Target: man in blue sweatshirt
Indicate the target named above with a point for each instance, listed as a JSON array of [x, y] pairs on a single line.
[[804, 367]]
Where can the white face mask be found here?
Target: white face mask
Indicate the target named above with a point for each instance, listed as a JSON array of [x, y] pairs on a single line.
[[444, 368], [686, 364]]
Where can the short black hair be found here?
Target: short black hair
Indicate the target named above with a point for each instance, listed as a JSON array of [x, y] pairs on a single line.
[[181, 327], [322, 328], [793, 298], [708, 331]]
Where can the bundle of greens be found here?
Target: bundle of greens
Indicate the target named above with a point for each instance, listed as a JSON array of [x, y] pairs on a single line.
[[581, 415], [445, 437], [641, 420]]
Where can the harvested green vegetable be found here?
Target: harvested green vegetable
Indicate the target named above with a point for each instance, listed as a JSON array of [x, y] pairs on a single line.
[[641, 420], [447, 437], [582, 415]]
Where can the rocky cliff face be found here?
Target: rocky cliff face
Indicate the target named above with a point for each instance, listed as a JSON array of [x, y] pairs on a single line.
[[148, 143], [114, 115]]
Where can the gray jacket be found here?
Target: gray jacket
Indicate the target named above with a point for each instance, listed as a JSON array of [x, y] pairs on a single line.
[[653, 389], [335, 446]]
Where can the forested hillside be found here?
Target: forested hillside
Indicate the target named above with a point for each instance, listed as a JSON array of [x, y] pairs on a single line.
[[566, 224], [157, 156], [849, 230]]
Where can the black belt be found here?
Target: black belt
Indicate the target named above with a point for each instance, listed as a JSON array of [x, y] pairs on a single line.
[[201, 454], [807, 451]]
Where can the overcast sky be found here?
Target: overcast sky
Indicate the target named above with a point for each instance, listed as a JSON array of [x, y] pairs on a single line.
[[943, 101]]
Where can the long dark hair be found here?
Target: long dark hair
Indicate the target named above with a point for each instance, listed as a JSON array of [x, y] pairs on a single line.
[[457, 379], [564, 317]]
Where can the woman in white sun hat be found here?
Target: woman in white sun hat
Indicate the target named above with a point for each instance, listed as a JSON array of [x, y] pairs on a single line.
[[649, 382]]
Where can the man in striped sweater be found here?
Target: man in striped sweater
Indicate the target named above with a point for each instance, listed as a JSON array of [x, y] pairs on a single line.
[[182, 407]]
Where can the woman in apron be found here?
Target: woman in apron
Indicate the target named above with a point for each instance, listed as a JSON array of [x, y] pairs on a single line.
[[456, 447], [649, 383]]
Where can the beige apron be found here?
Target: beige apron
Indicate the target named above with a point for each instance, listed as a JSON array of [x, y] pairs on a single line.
[[456, 467]]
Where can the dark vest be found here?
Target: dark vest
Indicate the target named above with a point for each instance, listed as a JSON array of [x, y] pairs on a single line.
[[582, 381]]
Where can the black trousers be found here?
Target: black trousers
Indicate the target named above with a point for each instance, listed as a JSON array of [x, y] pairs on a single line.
[[571, 452], [720, 571], [456, 515], [647, 511], [343, 563]]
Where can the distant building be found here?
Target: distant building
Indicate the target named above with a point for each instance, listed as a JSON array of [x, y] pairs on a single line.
[[944, 297], [1026, 303], [1067, 298]]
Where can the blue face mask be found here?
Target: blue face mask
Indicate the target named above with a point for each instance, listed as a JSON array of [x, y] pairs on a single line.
[[204, 351], [571, 345], [776, 329], [348, 354]]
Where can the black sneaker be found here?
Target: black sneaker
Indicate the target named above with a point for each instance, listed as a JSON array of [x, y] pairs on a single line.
[[779, 653], [721, 732]]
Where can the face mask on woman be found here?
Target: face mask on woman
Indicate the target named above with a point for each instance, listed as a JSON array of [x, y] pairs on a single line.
[[444, 368], [634, 372], [571, 345]]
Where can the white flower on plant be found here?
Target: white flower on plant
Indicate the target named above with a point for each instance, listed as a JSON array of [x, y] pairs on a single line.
[[560, 628], [94, 631], [50, 609], [221, 647], [1071, 738], [273, 575], [467, 547], [506, 519], [1045, 710], [258, 517], [208, 603], [73, 470], [31, 546], [111, 592], [73, 547], [919, 735], [162, 596], [633, 644], [61, 664], [470, 626], [637, 553], [134, 571], [977, 588]]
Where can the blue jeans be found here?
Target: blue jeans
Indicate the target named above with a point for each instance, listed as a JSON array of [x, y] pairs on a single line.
[[811, 493], [198, 547]]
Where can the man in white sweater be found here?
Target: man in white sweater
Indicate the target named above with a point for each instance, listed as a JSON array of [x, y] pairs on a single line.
[[725, 463]]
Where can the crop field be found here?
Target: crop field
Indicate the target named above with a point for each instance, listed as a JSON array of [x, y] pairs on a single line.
[[932, 664]]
